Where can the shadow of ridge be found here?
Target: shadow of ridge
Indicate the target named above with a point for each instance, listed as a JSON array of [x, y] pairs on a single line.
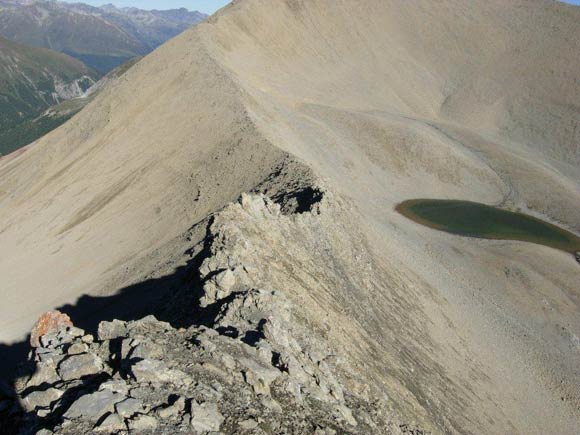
[[172, 298]]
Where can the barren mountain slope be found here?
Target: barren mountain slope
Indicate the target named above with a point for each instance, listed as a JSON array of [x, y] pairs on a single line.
[[371, 103]]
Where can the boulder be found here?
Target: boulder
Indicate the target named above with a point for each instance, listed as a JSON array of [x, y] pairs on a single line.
[[45, 374], [248, 424], [49, 323], [172, 410], [94, 406], [205, 417], [112, 330], [41, 399], [155, 372], [129, 407], [112, 424], [146, 350], [77, 366], [143, 423], [259, 376], [46, 355], [77, 349], [115, 385], [343, 413]]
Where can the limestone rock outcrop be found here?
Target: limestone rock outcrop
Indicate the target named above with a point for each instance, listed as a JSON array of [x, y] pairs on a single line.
[[254, 367]]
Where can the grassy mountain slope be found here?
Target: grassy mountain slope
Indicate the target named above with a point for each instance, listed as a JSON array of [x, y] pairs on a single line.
[[33, 79], [29, 130]]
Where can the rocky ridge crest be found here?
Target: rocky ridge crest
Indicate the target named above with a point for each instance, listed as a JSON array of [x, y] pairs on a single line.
[[256, 366]]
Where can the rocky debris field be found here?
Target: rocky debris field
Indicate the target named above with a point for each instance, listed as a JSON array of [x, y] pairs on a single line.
[[145, 376], [255, 368]]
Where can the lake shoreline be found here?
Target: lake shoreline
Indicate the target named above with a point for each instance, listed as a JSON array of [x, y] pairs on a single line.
[[465, 218]]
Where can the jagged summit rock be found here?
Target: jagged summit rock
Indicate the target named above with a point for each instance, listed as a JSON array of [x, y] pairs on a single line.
[[49, 324], [255, 368], [220, 389]]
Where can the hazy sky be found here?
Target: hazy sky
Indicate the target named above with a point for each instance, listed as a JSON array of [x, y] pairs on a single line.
[[207, 6]]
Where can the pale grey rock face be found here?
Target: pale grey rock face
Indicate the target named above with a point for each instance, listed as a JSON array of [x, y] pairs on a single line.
[[45, 374], [248, 424], [46, 355], [172, 410], [112, 330], [145, 350], [95, 405], [129, 407], [155, 371], [77, 366], [41, 399], [143, 423], [149, 371], [77, 349], [259, 376], [113, 423], [88, 339], [116, 385], [205, 417]]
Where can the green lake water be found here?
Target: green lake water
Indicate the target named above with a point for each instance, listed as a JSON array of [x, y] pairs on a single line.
[[473, 219]]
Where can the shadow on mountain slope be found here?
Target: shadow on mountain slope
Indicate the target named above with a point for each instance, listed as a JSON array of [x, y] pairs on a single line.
[[171, 298]]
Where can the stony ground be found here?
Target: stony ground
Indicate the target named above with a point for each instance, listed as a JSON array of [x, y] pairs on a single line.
[[255, 368]]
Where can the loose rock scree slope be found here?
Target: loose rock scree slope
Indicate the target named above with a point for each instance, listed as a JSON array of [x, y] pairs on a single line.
[[347, 102]]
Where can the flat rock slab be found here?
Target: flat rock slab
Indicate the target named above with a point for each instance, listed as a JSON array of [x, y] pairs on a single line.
[[129, 407], [155, 371], [143, 423], [41, 399], [205, 417], [94, 406], [77, 366], [112, 424], [112, 330]]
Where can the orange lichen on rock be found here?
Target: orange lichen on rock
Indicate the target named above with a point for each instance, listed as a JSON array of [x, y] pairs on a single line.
[[49, 322]]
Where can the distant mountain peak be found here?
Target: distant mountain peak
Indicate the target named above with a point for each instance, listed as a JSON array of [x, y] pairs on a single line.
[[102, 37]]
